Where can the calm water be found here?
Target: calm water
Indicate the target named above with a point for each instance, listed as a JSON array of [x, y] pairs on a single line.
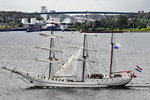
[[17, 51]]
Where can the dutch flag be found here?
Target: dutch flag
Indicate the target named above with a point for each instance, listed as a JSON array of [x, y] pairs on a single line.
[[138, 69]]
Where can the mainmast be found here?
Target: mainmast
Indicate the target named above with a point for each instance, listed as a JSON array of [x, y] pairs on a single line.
[[84, 50], [84, 57], [50, 53]]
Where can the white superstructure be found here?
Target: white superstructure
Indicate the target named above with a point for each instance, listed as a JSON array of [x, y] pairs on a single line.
[[25, 21], [33, 21]]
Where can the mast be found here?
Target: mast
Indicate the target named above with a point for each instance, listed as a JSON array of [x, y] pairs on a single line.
[[112, 51], [84, 57], [51, 50], [111, 58], [50, 53], [84, 52]]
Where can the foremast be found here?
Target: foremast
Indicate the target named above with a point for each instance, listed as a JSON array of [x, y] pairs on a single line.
[[50, 54], [51, 59]]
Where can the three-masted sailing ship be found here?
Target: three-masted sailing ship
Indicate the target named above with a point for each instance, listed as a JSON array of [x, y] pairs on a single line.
[[65, 77]]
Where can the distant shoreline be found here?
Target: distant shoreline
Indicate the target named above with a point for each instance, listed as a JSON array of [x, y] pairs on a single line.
[[90, 31]]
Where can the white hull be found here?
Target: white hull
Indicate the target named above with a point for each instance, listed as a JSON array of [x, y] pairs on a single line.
[[89, 83]]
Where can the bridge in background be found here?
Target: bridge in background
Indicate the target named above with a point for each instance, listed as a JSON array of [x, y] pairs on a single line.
[[81, 12]]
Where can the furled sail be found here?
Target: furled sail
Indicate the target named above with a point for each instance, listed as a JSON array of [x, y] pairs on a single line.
[[83, 48], [51, 36], [42, 60], [53, 50]]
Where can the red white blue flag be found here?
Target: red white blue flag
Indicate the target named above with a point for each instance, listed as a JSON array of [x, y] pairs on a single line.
[[138, 69]]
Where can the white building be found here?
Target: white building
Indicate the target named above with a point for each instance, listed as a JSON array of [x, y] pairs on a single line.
[[33, 21], [82, 19], [66, 21], [25, 21]]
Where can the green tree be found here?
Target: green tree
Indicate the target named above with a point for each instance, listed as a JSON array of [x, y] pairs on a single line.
[[122, 22], [97, 23]]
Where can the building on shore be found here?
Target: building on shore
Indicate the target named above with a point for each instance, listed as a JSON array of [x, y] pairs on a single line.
[[31, 21]]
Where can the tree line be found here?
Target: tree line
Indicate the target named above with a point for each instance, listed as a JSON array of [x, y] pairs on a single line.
[[140, 20]]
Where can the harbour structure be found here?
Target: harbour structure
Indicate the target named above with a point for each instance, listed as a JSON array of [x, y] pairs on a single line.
[[81, 12]]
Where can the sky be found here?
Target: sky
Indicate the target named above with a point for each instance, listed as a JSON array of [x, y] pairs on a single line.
[[76, 5]]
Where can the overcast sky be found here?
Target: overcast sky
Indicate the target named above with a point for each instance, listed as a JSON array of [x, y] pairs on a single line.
[[75, 5]]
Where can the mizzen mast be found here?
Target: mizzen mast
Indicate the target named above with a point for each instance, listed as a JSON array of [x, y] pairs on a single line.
[[111, 58], [112, 50]]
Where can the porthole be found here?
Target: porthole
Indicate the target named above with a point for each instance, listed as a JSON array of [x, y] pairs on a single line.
[[31, 81]]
